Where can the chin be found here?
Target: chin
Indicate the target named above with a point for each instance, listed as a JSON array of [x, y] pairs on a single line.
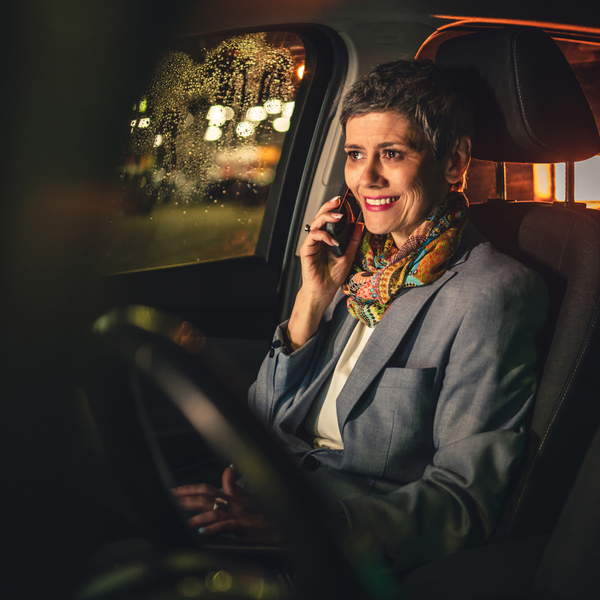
[[377, 230]]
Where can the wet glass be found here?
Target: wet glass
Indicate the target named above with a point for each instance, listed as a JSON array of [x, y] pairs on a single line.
[[202, 147]]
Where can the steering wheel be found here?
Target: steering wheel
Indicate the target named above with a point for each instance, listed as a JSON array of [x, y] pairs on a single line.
[[129, 357]]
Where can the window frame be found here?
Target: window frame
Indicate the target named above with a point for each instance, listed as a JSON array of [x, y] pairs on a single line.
[[244, 291]]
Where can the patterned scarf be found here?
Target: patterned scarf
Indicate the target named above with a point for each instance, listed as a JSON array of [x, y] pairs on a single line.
[[380, 271]]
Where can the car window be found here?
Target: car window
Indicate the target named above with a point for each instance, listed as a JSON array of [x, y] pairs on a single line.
[[541, 182], [584, 58], [201, 150]]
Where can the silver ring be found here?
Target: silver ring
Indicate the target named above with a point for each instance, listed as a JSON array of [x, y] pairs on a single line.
[[307, 228], [220, 504]]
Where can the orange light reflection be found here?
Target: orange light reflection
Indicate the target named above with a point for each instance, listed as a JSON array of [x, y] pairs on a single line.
[[461, 20], [542, 182]]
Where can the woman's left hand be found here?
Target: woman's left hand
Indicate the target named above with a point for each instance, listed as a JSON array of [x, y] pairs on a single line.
[[236, 513]]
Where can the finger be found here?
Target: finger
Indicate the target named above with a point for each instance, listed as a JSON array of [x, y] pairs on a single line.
[[208, 518], [312, 242], [327, 209], [230, 526], [354, 241], [252, 531], [329, 206], [244, 528], [216, 516], [228, 481], [198, 502], [232, 489], [320, 221], [194, 489]]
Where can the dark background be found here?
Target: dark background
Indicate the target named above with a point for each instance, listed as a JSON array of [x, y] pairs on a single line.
[[68, 71]]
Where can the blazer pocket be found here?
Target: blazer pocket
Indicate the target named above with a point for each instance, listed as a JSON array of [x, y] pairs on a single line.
[[396, 377], [386, 425]]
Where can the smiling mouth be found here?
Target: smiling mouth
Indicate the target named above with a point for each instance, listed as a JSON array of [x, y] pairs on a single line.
[[380, 201]]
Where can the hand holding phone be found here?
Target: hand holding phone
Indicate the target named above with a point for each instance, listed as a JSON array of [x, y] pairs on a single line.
[[342, 229]]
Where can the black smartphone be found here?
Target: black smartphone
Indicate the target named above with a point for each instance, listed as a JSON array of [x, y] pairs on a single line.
[[342, 230]]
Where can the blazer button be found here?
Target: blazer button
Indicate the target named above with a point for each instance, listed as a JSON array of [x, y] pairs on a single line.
[[310, 463]]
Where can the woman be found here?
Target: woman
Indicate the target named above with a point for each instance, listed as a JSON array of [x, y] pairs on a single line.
[[402, 378]]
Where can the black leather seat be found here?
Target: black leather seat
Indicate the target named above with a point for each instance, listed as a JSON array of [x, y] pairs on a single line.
[[564, 247], [530, 108]]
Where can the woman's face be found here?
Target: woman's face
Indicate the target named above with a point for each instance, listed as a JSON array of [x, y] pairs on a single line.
[[395, 179]]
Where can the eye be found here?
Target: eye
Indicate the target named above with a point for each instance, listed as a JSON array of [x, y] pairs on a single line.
[[354, 154], [393, 154]]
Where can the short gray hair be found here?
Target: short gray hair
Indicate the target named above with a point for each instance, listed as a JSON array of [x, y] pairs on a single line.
[[419, 91]]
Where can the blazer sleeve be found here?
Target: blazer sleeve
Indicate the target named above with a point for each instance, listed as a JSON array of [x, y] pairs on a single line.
[[479, 432], [280, 376]]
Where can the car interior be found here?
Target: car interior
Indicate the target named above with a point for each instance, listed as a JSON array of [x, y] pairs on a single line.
[[150, 248]]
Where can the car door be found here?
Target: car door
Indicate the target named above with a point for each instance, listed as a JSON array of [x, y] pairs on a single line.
[[219, 151]]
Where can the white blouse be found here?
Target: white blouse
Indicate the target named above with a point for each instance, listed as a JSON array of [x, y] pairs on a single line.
[[322, 421]]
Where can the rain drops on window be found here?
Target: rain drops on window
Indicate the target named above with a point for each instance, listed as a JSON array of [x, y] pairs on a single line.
[[241, 93], [201, 149]]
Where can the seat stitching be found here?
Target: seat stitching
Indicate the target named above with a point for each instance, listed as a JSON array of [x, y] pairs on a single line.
[[521, 103], [549, 426], [564, 393]]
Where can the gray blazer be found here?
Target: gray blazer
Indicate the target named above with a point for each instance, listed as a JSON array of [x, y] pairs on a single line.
[[432, 416]]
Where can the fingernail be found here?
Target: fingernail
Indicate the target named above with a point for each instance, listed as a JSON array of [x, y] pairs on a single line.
[[338, 215], [201, 530], [336, 199], [336, 243]]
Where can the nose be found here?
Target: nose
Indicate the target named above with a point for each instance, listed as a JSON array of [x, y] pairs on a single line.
[[372, 175]]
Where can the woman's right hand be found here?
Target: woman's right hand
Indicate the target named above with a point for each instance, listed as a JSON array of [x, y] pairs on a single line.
[[229, 510], [322, 273]]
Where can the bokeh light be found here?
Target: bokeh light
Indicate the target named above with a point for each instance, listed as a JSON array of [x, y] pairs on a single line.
[[288, 109], [274, 106], [213, 133], [245, 129], [281, 124], [216, 116], [256, 114]]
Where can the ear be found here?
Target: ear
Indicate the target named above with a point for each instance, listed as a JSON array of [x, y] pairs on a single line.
[[459, 160]]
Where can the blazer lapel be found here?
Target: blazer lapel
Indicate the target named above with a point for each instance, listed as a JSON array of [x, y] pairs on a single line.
[[393, 327], [383, 342]]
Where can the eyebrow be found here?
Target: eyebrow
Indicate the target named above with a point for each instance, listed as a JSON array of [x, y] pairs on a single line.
[[383, 145]]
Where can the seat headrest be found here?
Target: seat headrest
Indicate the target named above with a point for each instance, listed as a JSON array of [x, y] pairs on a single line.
[[529, 105]]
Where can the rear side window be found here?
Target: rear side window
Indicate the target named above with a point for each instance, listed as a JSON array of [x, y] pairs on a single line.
[[546, 182], [540, 182], [201, 150]]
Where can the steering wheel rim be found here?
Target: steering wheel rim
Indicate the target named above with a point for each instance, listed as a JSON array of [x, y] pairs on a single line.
[[122, 350]]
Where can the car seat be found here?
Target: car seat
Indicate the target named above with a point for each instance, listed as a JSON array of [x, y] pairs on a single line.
[[530, 108]]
